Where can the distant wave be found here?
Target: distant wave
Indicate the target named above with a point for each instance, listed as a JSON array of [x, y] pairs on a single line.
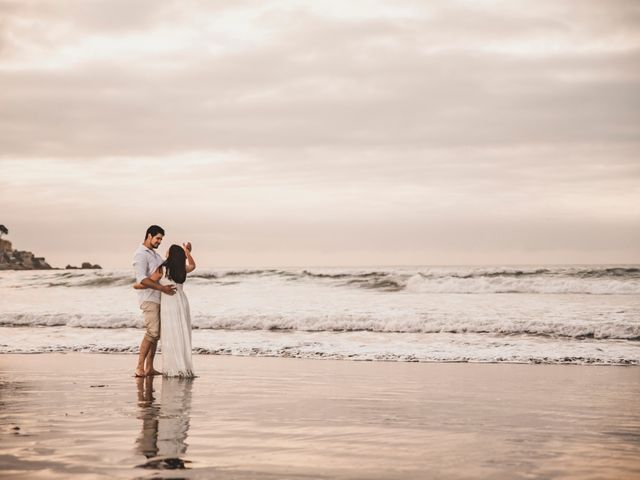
[[607, 280], [610, 329], [477, 272], [66, 279], [535, 284], [630, 272], [604, 272]]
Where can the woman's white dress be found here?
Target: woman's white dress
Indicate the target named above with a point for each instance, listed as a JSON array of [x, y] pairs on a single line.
[[175, 328]]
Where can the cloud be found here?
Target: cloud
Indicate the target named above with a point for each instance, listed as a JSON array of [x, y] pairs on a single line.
[[403, 129], [437, 80]]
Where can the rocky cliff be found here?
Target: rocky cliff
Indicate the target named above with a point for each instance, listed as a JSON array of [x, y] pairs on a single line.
[[11, 259], [5, 246]]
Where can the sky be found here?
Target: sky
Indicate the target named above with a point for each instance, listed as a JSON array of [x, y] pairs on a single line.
[[332, 133]]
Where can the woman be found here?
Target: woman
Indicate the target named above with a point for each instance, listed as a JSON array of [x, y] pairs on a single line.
[[175, 317]]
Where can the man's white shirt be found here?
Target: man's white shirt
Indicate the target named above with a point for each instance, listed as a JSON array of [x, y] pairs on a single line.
[[145, 262]]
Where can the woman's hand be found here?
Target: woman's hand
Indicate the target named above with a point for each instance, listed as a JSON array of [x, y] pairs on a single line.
[[187, 246]]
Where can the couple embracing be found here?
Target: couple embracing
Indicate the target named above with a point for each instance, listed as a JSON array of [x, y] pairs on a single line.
[[164, 305]]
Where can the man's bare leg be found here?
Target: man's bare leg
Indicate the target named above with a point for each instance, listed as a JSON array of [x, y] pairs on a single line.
[[148, 368], [145, 347]]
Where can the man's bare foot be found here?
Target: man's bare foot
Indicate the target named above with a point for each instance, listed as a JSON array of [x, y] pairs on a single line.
[[153, 372], [139, 372]]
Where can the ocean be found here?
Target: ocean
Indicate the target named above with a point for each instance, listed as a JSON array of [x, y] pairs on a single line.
[[579, 314]]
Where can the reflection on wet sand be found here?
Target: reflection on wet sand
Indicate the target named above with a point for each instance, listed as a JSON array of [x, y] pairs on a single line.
[[165, 424]]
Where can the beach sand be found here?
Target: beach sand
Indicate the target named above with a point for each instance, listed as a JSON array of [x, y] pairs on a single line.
[[85, 416]]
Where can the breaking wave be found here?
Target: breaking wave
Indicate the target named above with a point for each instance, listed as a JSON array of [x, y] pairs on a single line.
[[616, 329]]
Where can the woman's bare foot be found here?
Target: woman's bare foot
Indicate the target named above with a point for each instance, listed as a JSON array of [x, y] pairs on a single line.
[[139, 372], [153, 372]]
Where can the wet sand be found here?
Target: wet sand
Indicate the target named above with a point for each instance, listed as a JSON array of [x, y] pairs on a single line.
[[84, 416]]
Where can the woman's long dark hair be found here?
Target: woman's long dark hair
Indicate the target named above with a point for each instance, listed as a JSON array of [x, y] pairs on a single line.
[[175, 263]]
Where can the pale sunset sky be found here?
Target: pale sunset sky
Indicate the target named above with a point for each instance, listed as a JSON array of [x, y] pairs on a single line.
[[321, 133]]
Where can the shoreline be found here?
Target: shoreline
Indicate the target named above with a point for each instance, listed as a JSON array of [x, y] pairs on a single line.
[[329, 359]]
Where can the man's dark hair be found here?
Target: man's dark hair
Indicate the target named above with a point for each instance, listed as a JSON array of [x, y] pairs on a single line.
[[154, 230]]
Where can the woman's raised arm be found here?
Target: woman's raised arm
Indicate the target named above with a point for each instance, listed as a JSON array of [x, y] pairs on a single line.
[[191, 263]]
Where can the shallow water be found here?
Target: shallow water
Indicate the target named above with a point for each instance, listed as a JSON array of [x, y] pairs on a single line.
[[537, 314], [82, 416]]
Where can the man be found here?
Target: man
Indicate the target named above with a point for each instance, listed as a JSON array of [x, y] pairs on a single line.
[[145, 262]]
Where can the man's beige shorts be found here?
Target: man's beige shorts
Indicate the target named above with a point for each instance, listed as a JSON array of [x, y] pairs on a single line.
[[151, 312]]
